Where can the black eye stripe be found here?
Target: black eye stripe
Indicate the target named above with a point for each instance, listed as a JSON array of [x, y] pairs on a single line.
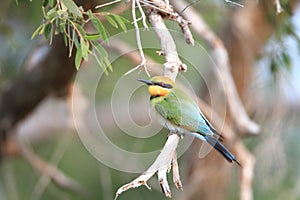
[[164, 85]]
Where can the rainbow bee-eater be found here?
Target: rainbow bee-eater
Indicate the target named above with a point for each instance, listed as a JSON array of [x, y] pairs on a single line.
[[180, 114]]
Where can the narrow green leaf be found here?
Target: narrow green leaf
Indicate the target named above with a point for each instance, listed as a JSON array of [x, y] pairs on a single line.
[[99, 26], [77, 44], [51, 14], [37, 30], [100, 63], [71, 40], [111, 21], [80, 29], [99, 49], [72, 7], [78, 58], [92, 36], [48, 30], [65, 40], [107, 63], [121, 21], [84, 48]]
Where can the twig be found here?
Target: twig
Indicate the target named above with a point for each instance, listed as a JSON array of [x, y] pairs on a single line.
[[105, 181], [166, 11], [45, 179], [278, 7], [176, 176], [234, 3], [138, 40], [160, 165], [247, 171], [238, 113], [52, 171], [107, 4], [127, 51], [9, 179], [163, 10], [143, 15]]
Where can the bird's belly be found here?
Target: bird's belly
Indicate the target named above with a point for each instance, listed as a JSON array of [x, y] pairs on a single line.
[[172, 127]]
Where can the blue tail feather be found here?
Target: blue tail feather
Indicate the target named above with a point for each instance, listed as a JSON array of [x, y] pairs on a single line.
[[221, 149]]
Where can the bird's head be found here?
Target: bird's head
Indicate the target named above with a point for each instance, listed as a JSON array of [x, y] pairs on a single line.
[[159, 86]]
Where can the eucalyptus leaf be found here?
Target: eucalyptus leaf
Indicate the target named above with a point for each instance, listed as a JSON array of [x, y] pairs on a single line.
[[72, 7], [48, 30], [99, 49], [121, 21], [99, 26], [37, 31], [78, 57], [84, 48], [92, 36], [80, 29], [111, 21]]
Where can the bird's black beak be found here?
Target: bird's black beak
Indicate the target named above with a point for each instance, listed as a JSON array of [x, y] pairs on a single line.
[[145, 81]]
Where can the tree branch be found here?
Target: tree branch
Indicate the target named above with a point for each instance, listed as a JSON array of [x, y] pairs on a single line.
[[161, 165], [51, 171], [278, 7], [172, 66], [138, 38]]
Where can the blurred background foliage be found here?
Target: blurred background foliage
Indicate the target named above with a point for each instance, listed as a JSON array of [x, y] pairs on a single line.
[[273, 180]]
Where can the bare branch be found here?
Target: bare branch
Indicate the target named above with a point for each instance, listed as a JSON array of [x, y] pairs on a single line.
[[176, 176], [160, 165], [234, 3], [166, 11], [238, 113], [247, 171], [45, 179], [52, 171], [143, 15], [107, 4], [173, 64], [138, 40], [278, 7]]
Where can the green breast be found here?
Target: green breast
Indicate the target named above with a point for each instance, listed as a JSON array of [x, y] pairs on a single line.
[[180, 110]]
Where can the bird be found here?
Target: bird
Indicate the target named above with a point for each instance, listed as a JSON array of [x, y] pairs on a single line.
[[179, 113]]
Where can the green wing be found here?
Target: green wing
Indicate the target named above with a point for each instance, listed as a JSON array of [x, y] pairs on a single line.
[[182, 111]]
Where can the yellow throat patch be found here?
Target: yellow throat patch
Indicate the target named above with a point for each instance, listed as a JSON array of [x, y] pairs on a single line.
[[156, 90]]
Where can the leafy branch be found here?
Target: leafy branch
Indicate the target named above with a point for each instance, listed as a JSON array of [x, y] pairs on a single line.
[[66, 18]]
